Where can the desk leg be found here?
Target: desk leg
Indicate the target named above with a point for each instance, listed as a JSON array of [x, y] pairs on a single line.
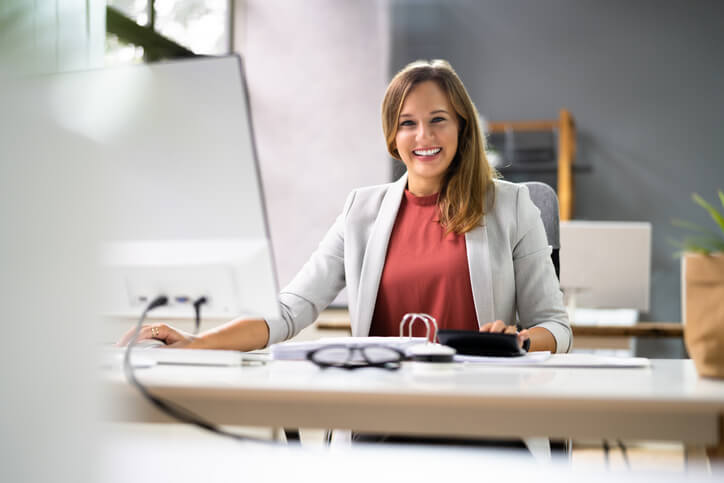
[[277, 434], [695, 459], [710, 458], [716, 453]]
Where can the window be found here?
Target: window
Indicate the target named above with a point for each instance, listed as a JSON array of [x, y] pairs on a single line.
[[201, 26], [119, 52], [150, 30]]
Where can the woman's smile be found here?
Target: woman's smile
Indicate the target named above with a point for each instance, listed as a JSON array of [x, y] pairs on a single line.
[[427, 154]]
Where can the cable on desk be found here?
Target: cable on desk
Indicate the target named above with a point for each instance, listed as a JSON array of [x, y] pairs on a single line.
[[624, 453], [172, 409], [197, 313]]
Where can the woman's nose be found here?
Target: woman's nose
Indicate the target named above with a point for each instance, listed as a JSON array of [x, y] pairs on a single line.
[[423, 132]]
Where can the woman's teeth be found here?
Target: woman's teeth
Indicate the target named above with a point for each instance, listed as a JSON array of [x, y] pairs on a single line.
[[427, 152]]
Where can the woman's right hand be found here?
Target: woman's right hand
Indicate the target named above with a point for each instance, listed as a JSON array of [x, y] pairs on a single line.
[[168, 335], [238, 335]]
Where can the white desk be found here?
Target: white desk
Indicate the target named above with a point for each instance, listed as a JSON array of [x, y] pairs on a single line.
[[665, 402], [151, 456]]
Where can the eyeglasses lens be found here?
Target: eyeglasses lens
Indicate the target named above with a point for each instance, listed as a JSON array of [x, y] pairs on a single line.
[[333, 355], [381, 355]]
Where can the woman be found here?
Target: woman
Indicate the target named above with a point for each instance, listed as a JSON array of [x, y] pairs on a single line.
[[447, 238]]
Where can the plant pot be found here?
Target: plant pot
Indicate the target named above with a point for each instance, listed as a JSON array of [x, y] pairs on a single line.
[[702, 303]]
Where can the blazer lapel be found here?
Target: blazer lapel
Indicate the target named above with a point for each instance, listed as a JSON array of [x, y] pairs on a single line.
[[374, 259], [480, 267], [481, 277]]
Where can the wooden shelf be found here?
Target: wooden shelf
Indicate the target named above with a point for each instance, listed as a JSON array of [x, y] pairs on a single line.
[[642, 329], [566, 128]]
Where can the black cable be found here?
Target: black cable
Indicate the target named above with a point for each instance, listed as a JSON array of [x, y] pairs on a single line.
[[606, 448], [197, 313], [624, 453], [174, 410]]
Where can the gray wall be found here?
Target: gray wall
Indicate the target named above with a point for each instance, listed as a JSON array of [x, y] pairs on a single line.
[[643, 80]]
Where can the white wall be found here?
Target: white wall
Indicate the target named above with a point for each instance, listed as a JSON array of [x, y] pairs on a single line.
[[317, 71]]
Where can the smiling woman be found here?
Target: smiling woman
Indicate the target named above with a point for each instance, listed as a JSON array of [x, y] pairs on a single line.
[[427, 137], [448, 238], [433, 90]]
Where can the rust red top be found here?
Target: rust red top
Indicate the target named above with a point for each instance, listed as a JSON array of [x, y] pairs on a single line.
[[425, 271]]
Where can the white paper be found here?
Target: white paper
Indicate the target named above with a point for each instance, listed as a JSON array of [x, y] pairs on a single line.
[[546, 359], [530, 358], [592, 360]]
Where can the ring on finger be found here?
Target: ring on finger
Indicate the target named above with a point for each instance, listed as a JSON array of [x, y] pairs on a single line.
[[154, 332]]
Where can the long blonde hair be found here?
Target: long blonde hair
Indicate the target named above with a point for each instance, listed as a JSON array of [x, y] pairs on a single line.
[[469, 176]]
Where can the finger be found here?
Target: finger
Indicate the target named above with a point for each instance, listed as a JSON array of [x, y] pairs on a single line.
[[492, 326], [129, 334], [498, 326], [168, 334], [147, 332], [125, 337], [523, 335], [509, 329]]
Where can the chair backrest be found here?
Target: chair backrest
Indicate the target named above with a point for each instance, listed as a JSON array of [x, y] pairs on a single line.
[[545, 198]]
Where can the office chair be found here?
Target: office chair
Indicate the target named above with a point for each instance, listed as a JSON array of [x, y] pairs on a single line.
[[545, 198]]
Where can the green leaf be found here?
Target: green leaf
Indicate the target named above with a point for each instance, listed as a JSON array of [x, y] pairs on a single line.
[[690, 226], [706, 241], [696, 248], [704, 244], [718, 246], [716, 216]]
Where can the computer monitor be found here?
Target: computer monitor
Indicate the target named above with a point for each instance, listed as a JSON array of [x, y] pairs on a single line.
[[606, 264], [181, 185]]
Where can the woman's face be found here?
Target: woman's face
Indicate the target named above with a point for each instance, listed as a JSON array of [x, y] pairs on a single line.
[[427, 137]]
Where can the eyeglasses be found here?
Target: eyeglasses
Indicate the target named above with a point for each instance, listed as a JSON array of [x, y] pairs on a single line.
[[356, 357]]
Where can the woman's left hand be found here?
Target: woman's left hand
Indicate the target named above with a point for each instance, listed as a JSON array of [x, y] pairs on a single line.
[[500, 327]]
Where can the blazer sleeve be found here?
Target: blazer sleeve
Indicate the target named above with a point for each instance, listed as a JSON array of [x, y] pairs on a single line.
[[538, 294], [315, 286]]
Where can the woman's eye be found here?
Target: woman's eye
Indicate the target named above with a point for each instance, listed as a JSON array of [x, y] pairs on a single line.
[[407, 123], [438, 119]]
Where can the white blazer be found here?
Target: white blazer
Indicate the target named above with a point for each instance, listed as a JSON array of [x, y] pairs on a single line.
[[509, 258]]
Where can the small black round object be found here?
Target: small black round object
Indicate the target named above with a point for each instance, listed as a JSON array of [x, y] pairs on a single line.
[[432, 358], [431, 353]]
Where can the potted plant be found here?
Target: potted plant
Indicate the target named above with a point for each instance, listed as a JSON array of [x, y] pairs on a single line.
[[702, 285]]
